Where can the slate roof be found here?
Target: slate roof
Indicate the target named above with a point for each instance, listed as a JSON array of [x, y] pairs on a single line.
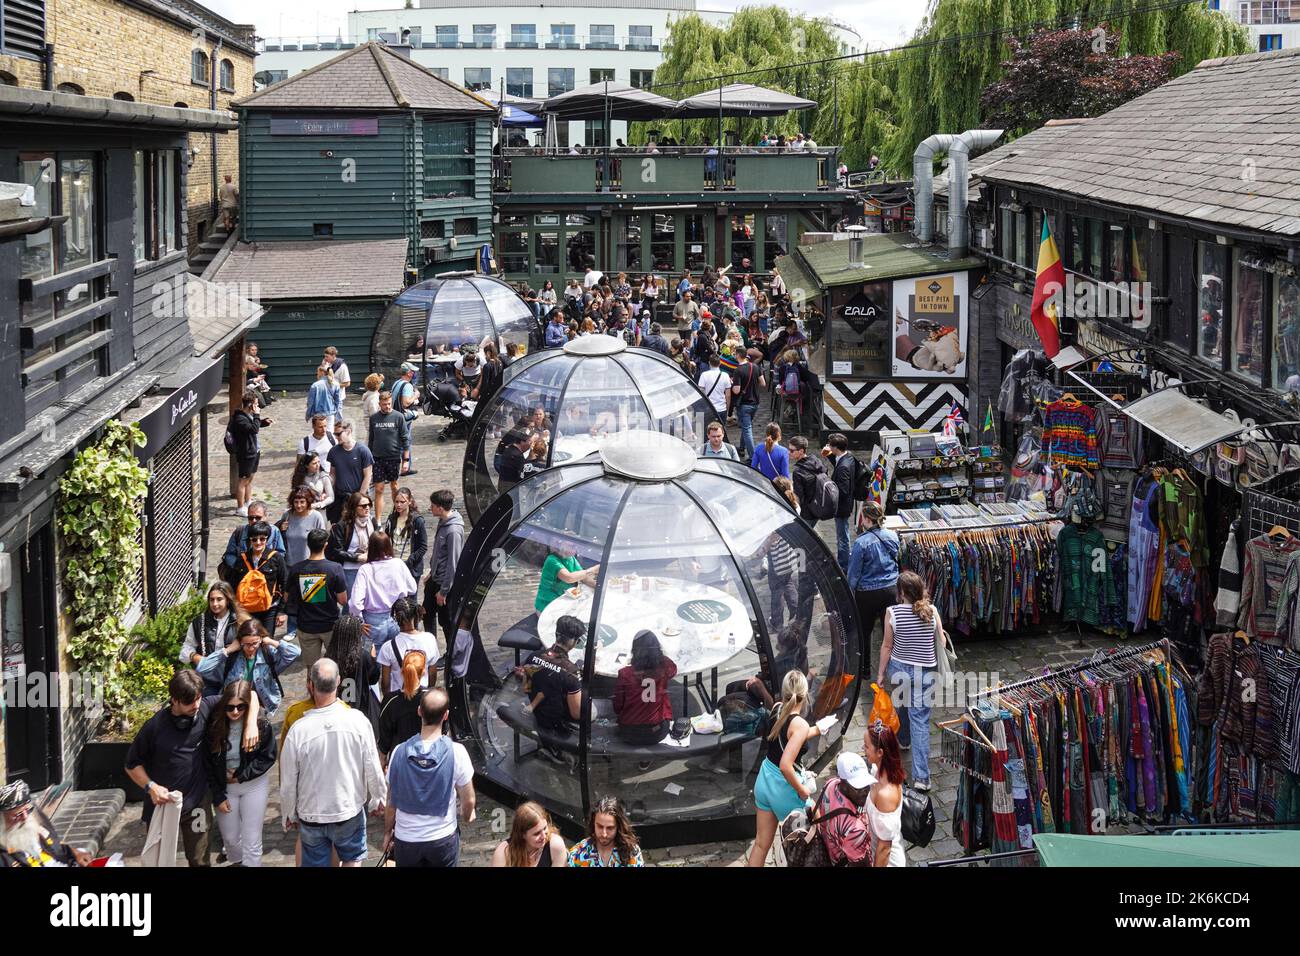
[[318, 269], [216, 316], [1220, 145], [1043, 138], [370, 77], [887, 255]]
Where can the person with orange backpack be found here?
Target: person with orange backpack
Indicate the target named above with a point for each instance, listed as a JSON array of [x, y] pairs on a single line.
[[260, 577]]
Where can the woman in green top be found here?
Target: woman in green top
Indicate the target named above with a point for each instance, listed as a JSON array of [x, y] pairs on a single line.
[[561, 570]]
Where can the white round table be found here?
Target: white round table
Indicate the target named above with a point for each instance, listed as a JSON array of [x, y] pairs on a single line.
[[710, 625], [575, 447]]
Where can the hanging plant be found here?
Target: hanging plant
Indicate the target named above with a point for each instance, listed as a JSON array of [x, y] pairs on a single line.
[[99, 524]]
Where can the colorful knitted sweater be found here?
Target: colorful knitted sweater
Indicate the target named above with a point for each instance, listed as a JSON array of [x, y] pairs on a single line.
[[1070, 433]]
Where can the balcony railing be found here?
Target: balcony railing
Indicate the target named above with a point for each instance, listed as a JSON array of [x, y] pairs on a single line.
[[678, 169], [464, 41]]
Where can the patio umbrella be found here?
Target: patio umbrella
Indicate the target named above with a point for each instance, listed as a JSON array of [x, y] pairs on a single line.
[[741, 99], [516, 111], [610, 101]]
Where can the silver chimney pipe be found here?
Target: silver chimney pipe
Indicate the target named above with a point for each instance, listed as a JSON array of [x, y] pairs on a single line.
[[959, 182], [958, 148]]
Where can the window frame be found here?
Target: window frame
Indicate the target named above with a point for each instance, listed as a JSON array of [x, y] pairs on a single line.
[[227, 75], [469, 153], [199, 58], [550, 82], [149, 181], [478, 84], [516, 88]]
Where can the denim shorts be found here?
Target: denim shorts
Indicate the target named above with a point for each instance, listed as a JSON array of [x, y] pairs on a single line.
[[348, 838]]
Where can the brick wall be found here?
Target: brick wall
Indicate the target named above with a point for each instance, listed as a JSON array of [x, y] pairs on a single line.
[[104, 47]]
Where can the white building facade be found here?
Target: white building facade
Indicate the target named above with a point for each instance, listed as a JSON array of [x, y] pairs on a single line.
[[531, 50], [1273, 24]]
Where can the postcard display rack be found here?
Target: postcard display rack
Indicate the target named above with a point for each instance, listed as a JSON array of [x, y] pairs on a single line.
[[928, 468]]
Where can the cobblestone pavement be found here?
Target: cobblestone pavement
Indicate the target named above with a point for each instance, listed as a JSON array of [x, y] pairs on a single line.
[[439, 466]]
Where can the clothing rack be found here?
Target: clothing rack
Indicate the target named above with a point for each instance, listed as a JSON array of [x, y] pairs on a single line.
[[1262, 512], [1098, 658], [977, 527]]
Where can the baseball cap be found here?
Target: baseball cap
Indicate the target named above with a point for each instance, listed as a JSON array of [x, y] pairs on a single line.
[[408, 367], [853, 770]]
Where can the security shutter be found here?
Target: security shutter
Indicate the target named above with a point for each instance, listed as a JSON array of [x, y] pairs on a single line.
[[22, 27], [175, 505]]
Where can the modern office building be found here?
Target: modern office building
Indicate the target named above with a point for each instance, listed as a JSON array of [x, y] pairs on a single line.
[[535, 50], [1273, 24]]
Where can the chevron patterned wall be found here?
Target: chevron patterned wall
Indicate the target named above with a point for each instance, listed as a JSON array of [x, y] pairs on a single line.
[[871, 406]]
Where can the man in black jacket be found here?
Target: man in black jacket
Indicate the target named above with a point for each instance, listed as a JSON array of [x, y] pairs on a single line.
[[844, 470], [804, 476], [243, 428], [510, 466], [655, 340]]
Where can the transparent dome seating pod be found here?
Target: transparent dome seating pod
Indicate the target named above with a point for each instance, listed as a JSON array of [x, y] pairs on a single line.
[[593, 388], [704, 554], [429, 322]]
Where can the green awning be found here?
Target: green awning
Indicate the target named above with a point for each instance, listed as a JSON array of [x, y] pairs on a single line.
[[796, 276], [1281, 848]]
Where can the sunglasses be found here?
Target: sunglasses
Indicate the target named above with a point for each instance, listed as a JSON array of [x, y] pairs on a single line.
[[260, 537], [365, 504], [235, 708]]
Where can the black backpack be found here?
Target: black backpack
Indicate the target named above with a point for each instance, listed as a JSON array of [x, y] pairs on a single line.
[[825, 500], [862, 476]]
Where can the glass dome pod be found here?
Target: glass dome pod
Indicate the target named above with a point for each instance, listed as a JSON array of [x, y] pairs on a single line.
[[428, 323], [594, 387], [700, 552]]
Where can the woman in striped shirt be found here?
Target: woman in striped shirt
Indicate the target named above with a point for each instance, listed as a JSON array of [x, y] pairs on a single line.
[[907, 657]]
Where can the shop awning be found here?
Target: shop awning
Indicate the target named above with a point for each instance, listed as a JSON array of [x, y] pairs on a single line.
[[1281, 848], [617, 100], [1186, 424]]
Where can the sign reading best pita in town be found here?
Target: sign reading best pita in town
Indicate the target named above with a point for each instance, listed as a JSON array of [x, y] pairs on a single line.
[[930, 329]]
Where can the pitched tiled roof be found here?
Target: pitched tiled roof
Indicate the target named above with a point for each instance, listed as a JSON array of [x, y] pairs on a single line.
[[1220, 145], [318, 269], [887, 255], [370, 77]]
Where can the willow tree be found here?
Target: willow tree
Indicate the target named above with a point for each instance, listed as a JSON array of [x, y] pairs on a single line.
[[758, 45]]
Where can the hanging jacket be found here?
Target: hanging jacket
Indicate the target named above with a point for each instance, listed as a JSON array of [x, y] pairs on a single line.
[[1227, 601]]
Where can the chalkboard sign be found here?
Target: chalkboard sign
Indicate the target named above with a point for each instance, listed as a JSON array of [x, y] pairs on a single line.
[[324, 126]]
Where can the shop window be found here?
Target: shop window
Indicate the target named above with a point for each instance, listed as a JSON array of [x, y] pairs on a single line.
[[1139, 249], [1078, 244], [1248, 319], [775, 239], [1022, 239], [1035, 238], [1116, 253], [628, 244], [696, 241], [1286, 323], [448, 160], [546, 250], [1213, 268], [578, 246], [514, 252], [860, 327], [1096, 240], [663, 242], [742, 242], [157, 208], [66, 186], [1007, 237]]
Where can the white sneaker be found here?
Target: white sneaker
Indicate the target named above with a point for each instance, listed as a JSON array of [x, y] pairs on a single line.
[[922, 786], [242, 512]]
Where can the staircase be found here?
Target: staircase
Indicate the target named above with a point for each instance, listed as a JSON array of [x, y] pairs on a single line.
[[207, 250]]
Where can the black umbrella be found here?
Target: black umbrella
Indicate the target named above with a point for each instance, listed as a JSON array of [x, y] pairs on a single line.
[[610, 100]]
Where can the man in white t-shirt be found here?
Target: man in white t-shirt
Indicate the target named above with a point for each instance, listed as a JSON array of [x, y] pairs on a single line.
[[715, 384], [593, 276], [320, 441], [430, 777], [342, 377]]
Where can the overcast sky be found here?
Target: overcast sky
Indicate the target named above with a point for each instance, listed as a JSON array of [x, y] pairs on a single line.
[[880, 22]]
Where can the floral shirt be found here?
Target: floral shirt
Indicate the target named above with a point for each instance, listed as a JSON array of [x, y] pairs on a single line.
[[586, 854]]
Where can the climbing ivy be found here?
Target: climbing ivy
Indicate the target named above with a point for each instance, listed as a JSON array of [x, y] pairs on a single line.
[[99, 524]]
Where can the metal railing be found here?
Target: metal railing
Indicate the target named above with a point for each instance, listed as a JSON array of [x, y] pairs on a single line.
[[463, 41]]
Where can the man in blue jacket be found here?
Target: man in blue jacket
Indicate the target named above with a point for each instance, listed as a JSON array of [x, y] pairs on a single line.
[[555, 334], [238, 542]]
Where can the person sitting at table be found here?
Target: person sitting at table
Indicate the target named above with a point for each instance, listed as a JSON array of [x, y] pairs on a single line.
[[576, 419], [560, 570], [509, 459], [791, 654], [642, 720], [553, 686], [535, 423], [535, 460]]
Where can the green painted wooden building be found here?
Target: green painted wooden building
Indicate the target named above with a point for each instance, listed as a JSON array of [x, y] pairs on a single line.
[[357, 176], [668, 212]]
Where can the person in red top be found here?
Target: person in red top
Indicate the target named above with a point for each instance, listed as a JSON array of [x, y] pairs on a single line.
[[641, 699]]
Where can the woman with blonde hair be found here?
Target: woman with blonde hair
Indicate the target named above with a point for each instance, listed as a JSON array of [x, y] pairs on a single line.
[[782, 786], [533, 840], [908, 658], [370, 397]]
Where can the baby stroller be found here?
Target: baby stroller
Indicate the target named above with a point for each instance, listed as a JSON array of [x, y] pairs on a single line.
[[443, 399]]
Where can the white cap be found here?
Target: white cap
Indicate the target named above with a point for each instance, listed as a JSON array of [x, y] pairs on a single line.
[[852, 769]]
